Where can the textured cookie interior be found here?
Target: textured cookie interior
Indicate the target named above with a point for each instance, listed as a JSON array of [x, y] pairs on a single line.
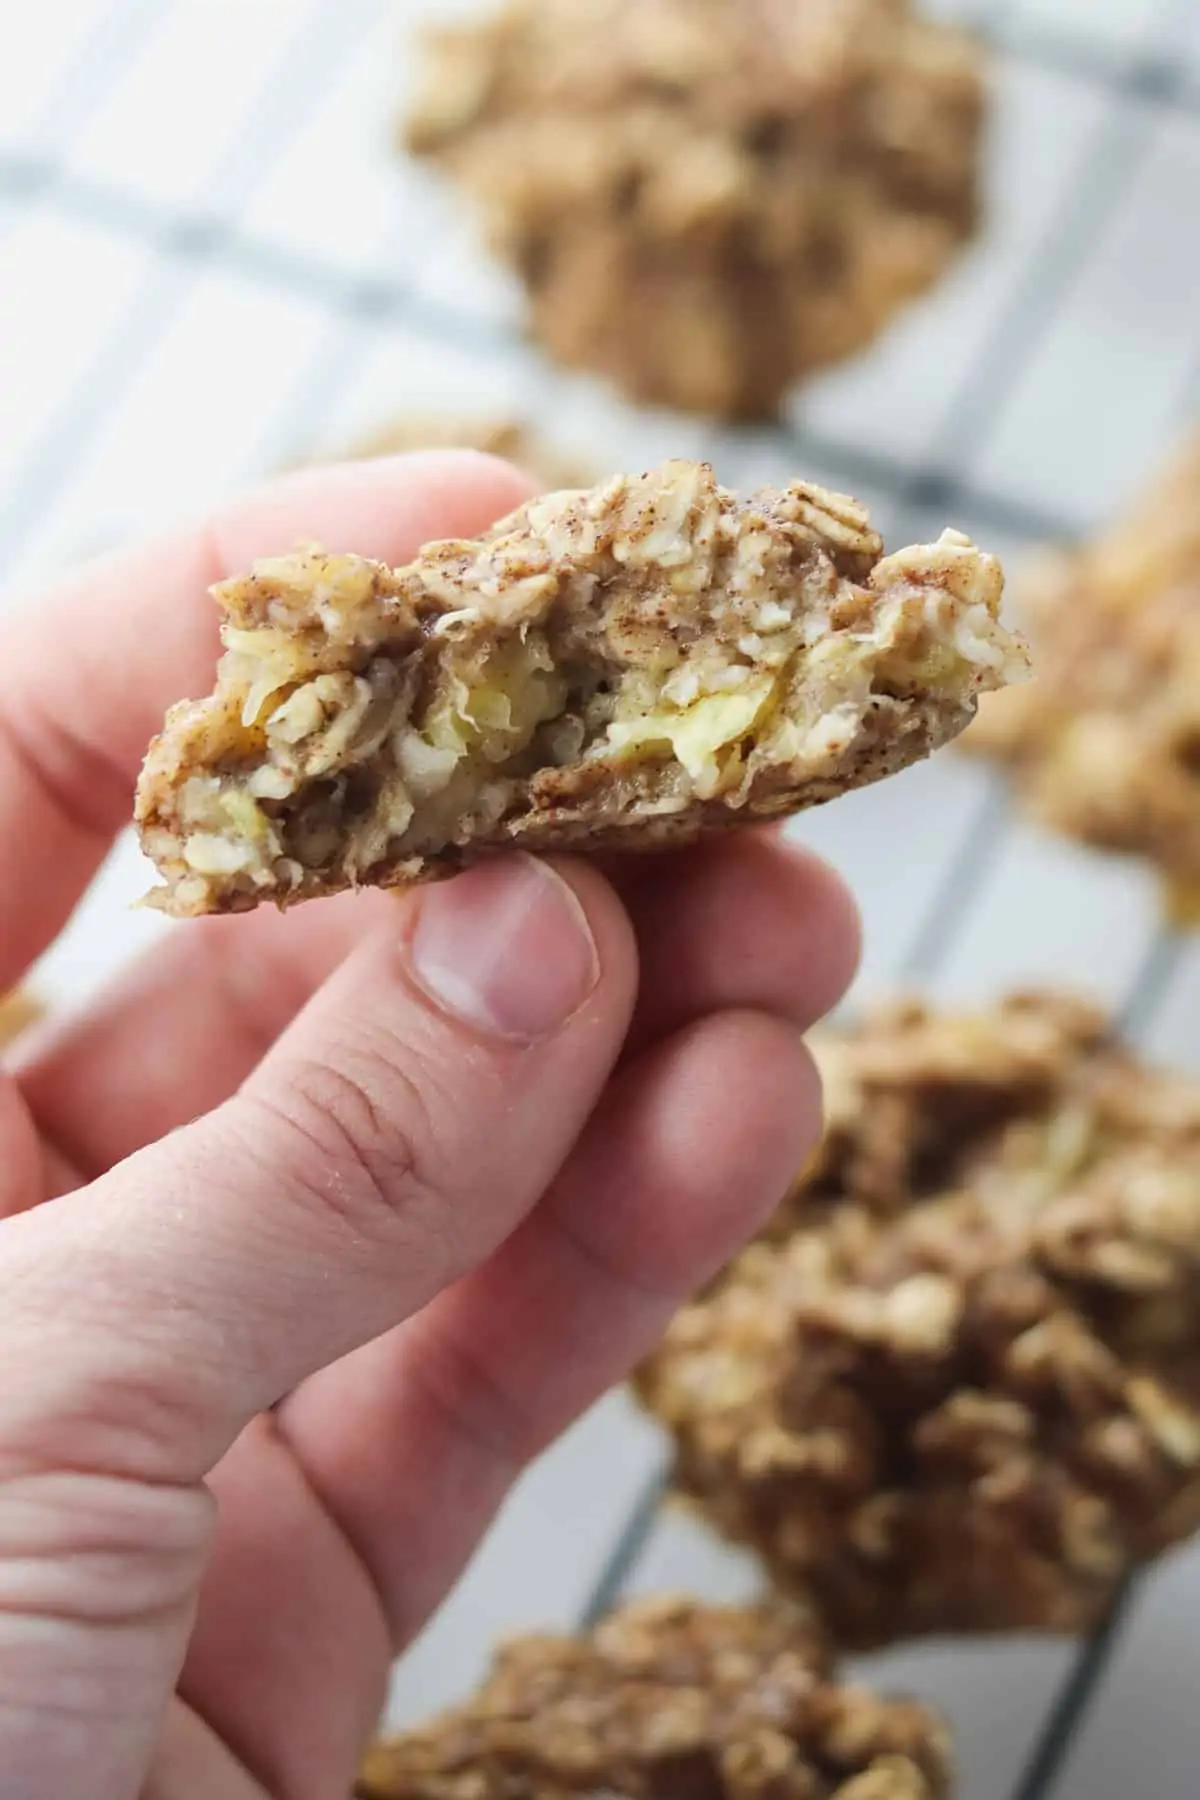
[[616, 657]]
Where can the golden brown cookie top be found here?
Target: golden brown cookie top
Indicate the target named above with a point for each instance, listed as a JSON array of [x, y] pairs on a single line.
[[959, 1388], [665, 1694], [708, 198], [919, 1100], [736, 86]]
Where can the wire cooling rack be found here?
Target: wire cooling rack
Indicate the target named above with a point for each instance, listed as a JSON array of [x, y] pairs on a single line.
[[211, 262]]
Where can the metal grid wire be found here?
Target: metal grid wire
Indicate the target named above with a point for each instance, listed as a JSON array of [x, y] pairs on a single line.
[[186, 242]]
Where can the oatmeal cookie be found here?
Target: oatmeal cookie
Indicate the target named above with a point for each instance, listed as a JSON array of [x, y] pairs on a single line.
[[17, 1010], [666, 1699], [709, 199], [960, 1388], [511, 439], [620, 668], [1105, 746]]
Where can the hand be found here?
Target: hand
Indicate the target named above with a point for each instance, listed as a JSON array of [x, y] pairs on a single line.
[[317, 1227]]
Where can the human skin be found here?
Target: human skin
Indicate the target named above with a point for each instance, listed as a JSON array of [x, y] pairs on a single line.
[[315, 1227]]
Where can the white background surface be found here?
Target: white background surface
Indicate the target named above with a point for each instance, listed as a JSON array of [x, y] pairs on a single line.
[[211, 260]]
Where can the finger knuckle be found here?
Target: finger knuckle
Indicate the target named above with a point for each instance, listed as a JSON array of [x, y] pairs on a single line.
[[100, 1549], [362, 1139]]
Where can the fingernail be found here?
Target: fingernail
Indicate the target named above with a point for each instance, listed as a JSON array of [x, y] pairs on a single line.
[[506, 947]]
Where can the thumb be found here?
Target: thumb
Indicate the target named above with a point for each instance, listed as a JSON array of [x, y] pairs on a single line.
[[398, 1132]]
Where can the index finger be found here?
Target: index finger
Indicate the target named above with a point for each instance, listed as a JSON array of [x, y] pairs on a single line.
[[87, 672]]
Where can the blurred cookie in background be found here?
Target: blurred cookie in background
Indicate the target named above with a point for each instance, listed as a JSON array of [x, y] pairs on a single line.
[[1104, 744], [513, 439], [709, 199], [958, 1388], [665, 1699]]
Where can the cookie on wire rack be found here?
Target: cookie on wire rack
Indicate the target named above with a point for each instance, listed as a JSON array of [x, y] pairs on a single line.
[[707, 200], [1105, 746], [626, 667], [957, 1388], [666, 1699]]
